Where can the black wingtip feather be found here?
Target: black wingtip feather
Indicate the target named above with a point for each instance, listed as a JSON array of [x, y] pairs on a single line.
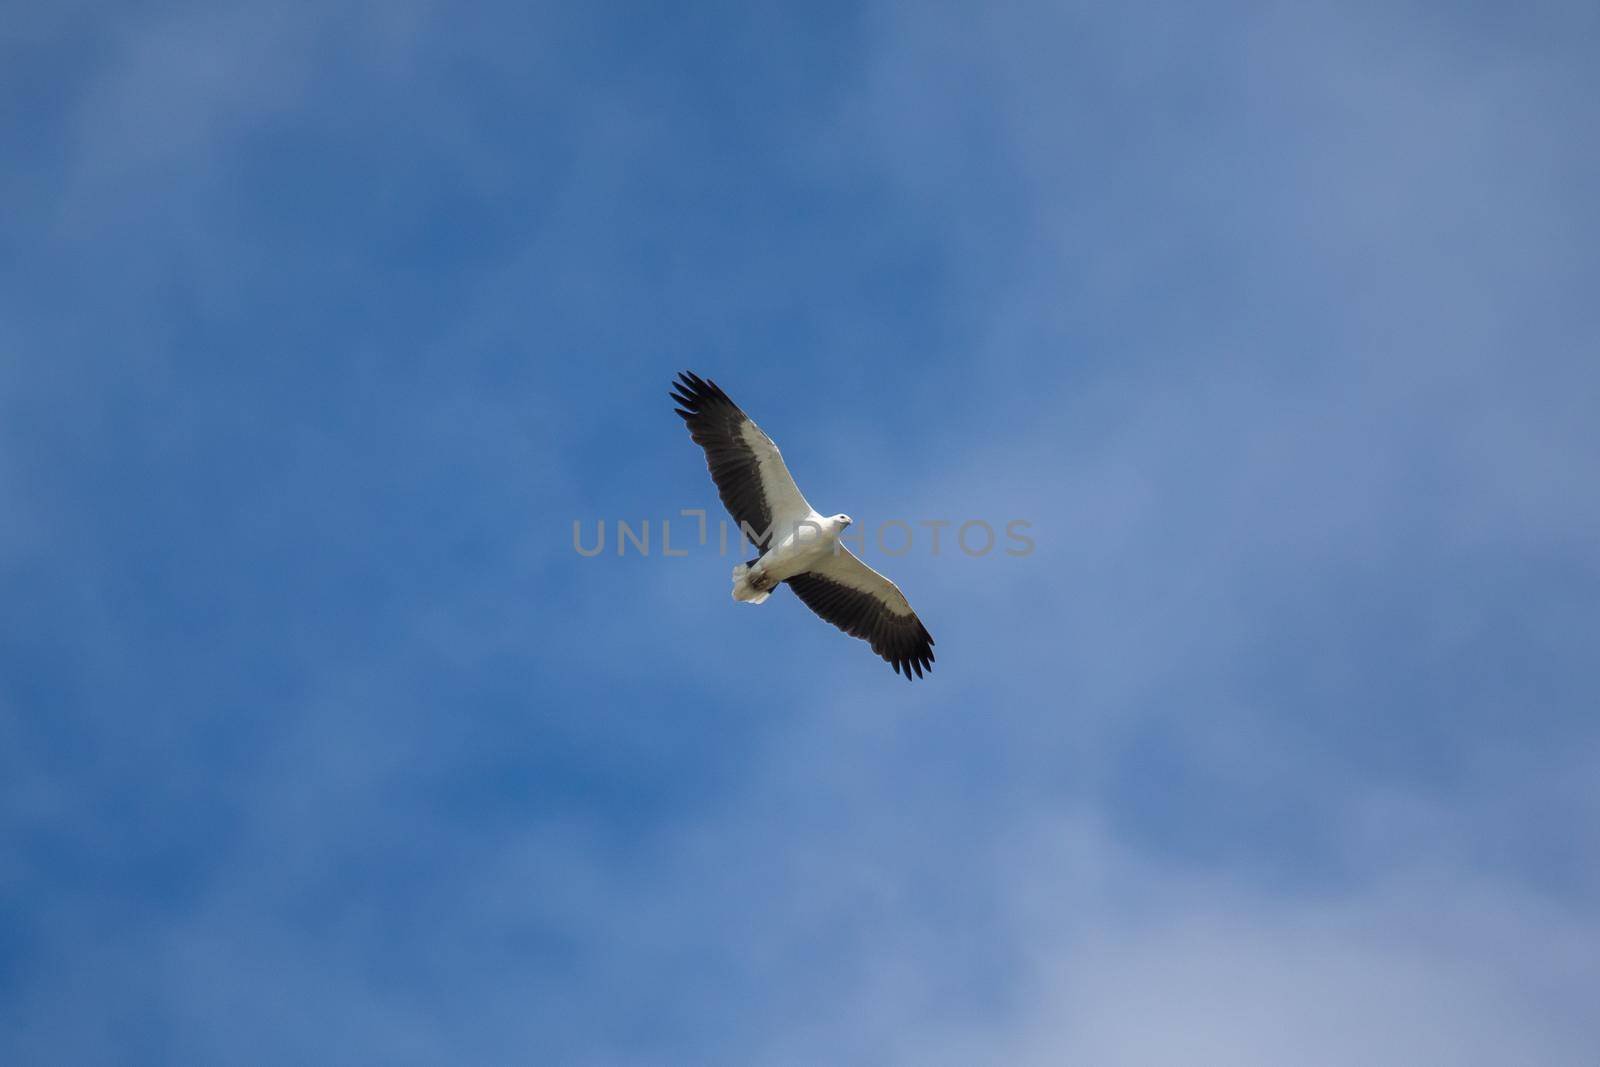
[[695, 392]]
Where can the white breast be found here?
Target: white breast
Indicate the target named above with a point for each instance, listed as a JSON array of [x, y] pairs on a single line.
[[799, 550]]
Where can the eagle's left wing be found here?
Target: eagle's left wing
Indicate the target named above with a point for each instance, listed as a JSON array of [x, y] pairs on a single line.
[[863, 603]]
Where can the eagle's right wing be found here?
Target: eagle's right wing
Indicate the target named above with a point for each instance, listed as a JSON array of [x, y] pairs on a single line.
[[751, 478]]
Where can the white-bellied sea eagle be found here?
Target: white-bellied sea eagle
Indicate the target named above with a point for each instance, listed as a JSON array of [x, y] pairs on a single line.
[[796, 545]]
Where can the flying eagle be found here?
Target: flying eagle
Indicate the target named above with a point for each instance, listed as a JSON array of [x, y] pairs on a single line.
[[797, 546]]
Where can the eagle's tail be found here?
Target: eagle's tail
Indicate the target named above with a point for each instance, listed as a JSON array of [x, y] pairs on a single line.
[[746, 589]]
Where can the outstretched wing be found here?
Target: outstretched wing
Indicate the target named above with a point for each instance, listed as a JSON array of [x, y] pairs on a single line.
[[865, 604], [754, 484]]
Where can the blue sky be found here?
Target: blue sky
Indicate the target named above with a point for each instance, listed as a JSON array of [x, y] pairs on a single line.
[[320, 324]]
